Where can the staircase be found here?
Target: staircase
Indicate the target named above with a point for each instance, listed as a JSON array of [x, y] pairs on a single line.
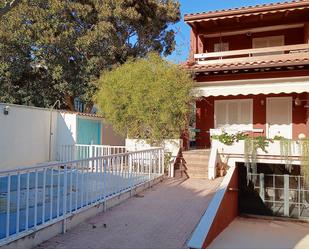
[[194, 164]]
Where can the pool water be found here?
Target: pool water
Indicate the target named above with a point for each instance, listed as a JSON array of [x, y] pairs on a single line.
[[81, 189]]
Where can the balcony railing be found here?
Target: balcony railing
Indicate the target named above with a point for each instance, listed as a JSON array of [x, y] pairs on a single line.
[[280, 53]]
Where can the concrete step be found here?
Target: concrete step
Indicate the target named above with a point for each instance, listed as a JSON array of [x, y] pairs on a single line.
[[202, 157], [196, 162], [196, 152], [193, 170], [198, 176], [196, 165], [190, 155]]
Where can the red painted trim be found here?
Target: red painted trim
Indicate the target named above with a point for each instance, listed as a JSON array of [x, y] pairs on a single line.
[[227, 211]]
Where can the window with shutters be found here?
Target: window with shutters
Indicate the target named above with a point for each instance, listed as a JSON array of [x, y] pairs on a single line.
[[221, 47], [266, 42], [234, 114]]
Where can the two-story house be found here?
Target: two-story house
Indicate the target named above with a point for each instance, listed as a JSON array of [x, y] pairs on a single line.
[[251, 70], [251, 67]]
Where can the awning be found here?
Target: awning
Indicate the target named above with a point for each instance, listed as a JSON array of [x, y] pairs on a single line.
[[255, 87]]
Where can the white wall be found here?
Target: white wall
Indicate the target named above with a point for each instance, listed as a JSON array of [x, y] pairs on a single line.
[[66, 128], [24, 136], [170, 145]]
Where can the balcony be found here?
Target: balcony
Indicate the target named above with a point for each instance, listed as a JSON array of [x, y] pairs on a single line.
[[291, 55]]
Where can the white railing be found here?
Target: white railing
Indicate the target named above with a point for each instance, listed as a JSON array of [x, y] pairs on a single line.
[[81, 151], [298, 51], [35, 197]]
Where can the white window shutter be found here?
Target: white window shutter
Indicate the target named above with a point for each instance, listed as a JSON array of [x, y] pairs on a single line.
[[234, 115]]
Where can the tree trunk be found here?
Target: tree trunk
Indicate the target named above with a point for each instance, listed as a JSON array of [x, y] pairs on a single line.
[[88, 107], [69, 100]]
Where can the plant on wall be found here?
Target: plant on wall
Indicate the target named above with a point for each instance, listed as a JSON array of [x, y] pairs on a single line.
[[304, 147], [251, 149], [230, 139], [250, 155], [286, 152]]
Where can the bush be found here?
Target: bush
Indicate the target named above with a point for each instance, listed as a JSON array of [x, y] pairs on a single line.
[[146, 98]]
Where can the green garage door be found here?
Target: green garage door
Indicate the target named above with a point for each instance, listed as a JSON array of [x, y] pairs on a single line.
[[88, 131]]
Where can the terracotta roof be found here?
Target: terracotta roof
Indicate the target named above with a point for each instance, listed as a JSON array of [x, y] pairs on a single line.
[[247, 65], [248, 10]]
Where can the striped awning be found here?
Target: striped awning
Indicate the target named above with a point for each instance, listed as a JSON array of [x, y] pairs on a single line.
[[252, 87]]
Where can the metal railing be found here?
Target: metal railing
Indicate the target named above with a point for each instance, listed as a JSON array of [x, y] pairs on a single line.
[[284, 195], [81, 151], [35, 197]]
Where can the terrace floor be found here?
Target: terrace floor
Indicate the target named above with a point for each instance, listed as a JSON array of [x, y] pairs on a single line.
[[244, 233], [162, 217]]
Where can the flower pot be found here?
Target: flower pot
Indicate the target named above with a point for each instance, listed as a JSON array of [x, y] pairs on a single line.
[[221, 172]]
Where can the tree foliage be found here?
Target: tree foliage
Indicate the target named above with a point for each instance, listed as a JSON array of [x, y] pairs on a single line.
[[146, 98], [56, 49], [6, 6]]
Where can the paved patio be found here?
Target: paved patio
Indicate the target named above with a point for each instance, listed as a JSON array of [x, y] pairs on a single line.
[[245, 233], [162, 217]]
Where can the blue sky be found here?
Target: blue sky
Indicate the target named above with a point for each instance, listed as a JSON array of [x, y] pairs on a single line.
[[194, 6]]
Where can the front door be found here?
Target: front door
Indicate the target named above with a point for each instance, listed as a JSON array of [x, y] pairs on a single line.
[[279, 117]]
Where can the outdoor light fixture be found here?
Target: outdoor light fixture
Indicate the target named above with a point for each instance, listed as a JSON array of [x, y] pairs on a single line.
[[262, 102], [297, 102], [6, 110]]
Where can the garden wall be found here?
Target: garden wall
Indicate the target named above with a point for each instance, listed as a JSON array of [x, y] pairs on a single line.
[[24, 136]]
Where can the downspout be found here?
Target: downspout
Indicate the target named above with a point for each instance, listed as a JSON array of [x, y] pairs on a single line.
[[50, 127]]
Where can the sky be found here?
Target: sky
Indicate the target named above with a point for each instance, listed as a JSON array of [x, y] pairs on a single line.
[[193, 6]]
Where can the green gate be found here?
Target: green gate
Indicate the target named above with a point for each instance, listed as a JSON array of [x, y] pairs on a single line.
[[88, 131]]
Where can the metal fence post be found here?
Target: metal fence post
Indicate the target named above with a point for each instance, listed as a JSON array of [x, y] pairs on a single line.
[[104, 183], [90, 156], [262, 190], [163, 161], [150, 165], [286, 195], [130, 173], [65, 188]]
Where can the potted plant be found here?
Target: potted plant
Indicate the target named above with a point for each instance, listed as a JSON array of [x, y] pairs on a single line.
[[222, 169]]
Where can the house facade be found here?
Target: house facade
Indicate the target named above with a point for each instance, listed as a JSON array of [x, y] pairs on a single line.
[[251, 67], [251, 70]]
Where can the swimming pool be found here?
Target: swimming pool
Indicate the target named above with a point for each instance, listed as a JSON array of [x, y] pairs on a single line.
[[64, 191]]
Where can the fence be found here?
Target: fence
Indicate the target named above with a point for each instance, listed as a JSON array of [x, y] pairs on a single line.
[[284, 195], [82, 151], [35, 197]]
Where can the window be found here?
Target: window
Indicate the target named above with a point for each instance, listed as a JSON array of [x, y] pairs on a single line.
[[270, 41], [222, 46], [234, 114], [265, 42]]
